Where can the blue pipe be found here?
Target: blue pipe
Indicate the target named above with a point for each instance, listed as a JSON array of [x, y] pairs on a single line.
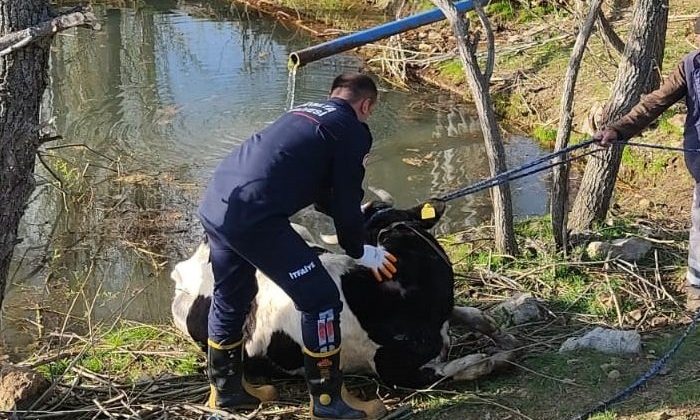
[[348, 42]]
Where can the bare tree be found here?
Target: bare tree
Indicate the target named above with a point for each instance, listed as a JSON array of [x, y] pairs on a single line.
[[479, 84], [25, 28], [560, 182], [638, 73]]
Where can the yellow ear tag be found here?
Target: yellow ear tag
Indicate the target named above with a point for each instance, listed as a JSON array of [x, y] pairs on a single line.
[[427, 212]]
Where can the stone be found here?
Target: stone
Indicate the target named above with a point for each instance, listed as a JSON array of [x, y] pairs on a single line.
[[19, 387], [614, 375], [628, 249], [607, 341], [520, 309]]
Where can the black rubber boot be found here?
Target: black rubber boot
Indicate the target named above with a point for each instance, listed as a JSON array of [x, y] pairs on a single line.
[[229, 389], [329, 398]]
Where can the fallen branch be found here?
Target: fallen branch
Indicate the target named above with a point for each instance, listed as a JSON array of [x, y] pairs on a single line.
[[19, 39]]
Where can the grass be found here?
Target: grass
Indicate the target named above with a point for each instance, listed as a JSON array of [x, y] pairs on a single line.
[[133, 351], [559, 386]]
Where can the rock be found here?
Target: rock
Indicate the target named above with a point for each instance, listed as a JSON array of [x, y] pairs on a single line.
[[614, 375], [629, 249], [518, 310], [606, 341], [19, 387]]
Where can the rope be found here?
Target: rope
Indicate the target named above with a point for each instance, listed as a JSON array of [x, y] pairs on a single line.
[[653, 371], [656, 146], [517, 173]]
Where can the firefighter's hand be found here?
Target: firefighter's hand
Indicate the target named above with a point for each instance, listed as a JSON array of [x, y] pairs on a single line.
[[605, 137], [380, 261]]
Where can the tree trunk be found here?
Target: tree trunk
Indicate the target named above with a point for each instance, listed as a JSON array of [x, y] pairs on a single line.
[[638, 73], [560, 181], [23, 76], [479, 85]]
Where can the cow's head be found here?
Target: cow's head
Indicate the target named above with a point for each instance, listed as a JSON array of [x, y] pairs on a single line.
[[382, 218]]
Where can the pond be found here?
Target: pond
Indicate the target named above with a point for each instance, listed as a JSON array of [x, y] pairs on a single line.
[[147, 106]]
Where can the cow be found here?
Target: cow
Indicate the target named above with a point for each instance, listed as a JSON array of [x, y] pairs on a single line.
[[396, 329]]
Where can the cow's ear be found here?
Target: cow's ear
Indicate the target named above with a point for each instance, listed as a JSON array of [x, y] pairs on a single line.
[[429, 212], [368, 209]]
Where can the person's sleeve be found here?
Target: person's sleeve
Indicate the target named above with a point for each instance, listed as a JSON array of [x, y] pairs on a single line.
[[351, 147], [323, 203], [652, 105]]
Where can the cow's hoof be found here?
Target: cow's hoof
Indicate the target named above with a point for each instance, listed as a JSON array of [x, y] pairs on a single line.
[[469, 367]]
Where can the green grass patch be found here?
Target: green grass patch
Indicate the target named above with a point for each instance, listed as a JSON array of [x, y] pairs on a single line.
[[545, 135], [452, 70], [130, 352]]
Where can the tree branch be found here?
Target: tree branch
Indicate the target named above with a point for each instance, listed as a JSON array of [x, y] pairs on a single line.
[[610, 37], [19, 39], [490, 42]]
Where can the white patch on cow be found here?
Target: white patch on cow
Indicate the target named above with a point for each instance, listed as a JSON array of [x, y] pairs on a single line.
[[276, 312], [303, 232], [194, 276]]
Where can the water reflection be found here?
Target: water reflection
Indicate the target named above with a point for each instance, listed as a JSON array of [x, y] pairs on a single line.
[[159, 96]]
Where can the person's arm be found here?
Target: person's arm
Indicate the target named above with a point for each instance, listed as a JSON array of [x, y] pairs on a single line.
[[323, 203], [648, 108], [346, 196]]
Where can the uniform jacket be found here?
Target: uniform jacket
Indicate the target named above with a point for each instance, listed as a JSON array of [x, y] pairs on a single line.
[[313, 154]]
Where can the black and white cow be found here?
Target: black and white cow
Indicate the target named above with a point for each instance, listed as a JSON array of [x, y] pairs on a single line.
[[395, 329]]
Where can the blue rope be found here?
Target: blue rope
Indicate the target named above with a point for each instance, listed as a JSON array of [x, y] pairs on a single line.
[[650, 373], [656, 146], [516, 173]]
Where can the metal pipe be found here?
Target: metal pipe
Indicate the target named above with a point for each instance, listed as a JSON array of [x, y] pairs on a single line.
[[348, 42]]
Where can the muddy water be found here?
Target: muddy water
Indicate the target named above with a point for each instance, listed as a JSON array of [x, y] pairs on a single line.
[[147, 107]]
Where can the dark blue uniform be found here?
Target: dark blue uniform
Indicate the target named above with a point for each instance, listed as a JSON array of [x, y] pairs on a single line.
[[313, 154]]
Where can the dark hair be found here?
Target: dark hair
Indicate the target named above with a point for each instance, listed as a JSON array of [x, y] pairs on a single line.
[[359, 85], [697, 26]]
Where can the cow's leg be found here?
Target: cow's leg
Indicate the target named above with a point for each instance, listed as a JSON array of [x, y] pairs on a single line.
[[477, 321], [472, 366], [406, 363], [283, 256], [396, 366]]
